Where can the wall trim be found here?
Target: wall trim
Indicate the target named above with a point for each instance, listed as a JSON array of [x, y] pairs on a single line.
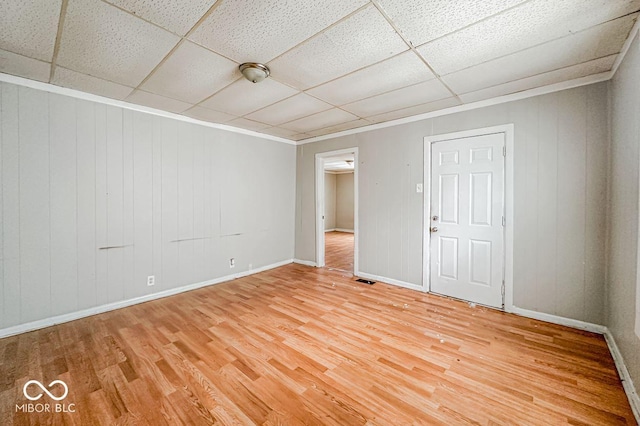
[[625, 48], [556, 87], [305, 262], [330, 230], [555, 319], [625, 377], [59, 319], [52, 88], [388, 281], [350, 231]]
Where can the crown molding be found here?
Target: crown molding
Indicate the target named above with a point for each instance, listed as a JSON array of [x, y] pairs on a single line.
[[51, 88]]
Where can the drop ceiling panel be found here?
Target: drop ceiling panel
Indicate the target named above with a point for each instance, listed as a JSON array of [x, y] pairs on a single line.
[[595, 42], [243, 97], [156, 101], [322, 119], [280, 132], [415, 110], [258, 31], [524, 26], [177, 16], [86, 83], [356, 42], [417, 94], [400, 71], [19, 65], [422, 21], [340, 127], [206, 114], [29, 28], [576, 71], [192, 73], [245, 123], [290, 109], [100, 40]]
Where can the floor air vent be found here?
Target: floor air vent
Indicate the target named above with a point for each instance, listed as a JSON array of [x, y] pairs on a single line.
[[360, 280]]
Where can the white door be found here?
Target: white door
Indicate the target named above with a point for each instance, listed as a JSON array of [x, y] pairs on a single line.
[[467, 207]]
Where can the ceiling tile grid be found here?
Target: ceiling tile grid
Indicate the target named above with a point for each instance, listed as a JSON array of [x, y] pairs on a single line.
[[243, 97], [177, 16], [335, 65], [258, 31], [103, 41], [86, 83], [362, 39], [29, 28], [191, 73], [23, 66], [290, 109]]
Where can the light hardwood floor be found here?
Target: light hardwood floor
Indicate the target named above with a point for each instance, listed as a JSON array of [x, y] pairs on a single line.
[[338, 250], [299, 345]]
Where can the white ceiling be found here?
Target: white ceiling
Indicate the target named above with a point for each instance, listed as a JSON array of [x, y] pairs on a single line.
[[335, 64], [339, 163]]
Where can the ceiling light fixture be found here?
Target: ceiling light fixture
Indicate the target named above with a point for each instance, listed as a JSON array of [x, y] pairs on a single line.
[[254, 72]]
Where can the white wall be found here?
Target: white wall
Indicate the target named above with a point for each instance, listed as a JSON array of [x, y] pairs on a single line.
[[344, 201], [623, 293], [95, 198], [329, 201], [561, 145]]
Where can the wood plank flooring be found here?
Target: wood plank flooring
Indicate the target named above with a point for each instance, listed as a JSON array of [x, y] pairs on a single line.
[[299, 345], [338, 250]]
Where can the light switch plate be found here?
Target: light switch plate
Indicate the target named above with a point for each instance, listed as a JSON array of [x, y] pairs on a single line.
[[419, 188]]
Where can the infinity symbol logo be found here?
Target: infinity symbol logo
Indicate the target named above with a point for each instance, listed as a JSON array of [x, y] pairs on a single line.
[[37, 397]]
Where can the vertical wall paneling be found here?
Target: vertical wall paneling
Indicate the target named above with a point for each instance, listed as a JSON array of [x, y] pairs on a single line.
[[156, 199], [2, 297], [571, 203], [11, 204], [94, 198], [35, 232], [130, 288], [555, 182], [63, 204], [169, 204], [86, 202], [198, 205], [596, 205], [186, 133], [102, 265], [547, 208], [115, 204]]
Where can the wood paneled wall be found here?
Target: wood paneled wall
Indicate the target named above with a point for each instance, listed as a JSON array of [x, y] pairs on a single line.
[[95, 198]]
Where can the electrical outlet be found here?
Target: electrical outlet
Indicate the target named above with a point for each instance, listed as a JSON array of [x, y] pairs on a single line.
[[151, 280], [251, 266], [232, 262]]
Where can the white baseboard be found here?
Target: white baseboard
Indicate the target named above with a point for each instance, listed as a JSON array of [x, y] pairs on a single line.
[[554, 319], [627, 383], [330, 230], [305, 262], [388, 281], [48, 322], [350, 231]]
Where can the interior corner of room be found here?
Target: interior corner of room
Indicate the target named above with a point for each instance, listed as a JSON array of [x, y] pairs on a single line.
[[107, 202]]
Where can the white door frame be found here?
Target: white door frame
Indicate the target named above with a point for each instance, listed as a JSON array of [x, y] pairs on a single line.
[[320, 204], [508, 130]]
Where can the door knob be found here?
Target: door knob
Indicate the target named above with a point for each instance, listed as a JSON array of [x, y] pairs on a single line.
[[434, 229]]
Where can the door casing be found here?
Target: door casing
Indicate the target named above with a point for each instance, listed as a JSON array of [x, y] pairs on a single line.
[[508, 130]]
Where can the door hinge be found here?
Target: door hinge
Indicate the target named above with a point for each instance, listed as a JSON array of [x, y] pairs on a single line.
[[504, 221], [502, 290], [504, 151]]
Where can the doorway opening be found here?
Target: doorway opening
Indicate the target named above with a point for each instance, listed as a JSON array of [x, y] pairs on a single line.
[[336, 210]]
